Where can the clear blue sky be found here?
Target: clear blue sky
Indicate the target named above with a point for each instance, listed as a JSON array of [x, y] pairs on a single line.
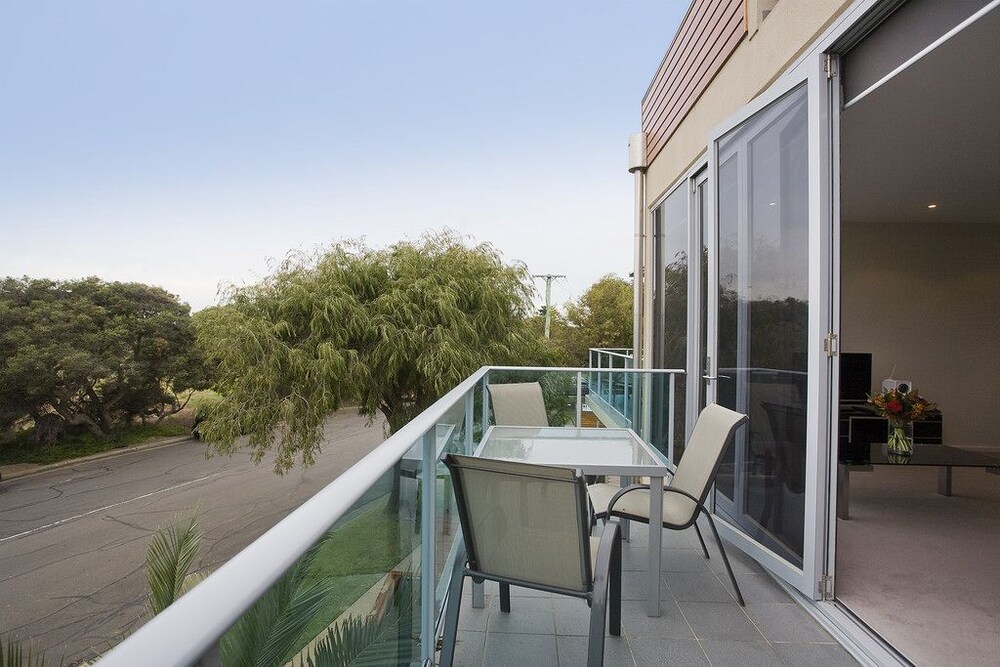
[[184, 143]]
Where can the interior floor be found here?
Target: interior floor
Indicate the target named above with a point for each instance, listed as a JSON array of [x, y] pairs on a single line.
[[921, 568]]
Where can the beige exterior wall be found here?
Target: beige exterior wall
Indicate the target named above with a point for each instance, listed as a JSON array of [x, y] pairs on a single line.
[[788, 30], [922, 298]]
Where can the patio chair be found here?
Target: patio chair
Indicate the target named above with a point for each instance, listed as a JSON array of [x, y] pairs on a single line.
[[529, 525], [684, 498], [518, 404]]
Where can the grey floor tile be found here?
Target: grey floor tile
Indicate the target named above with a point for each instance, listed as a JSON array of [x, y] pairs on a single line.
[[635, 586], [527, 616], [573, 652], [673, 652], [719, 620], [807, 655], [787, 623], [469, 649], [697, 587], [474, 619], [740, 654], [507, 650], [683, 560], [572, 616], [670, 624], [759, 588], [740, 561]]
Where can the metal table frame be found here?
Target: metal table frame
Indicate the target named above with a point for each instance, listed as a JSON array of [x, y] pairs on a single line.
[[656, 473]]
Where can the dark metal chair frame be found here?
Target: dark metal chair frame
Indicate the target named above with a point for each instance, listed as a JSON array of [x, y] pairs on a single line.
[[700, 509], [598, 586]]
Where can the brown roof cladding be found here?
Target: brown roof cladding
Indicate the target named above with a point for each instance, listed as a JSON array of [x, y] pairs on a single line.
[[709, 33]]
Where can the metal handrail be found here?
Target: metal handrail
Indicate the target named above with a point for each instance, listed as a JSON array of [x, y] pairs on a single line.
[[188, 631]]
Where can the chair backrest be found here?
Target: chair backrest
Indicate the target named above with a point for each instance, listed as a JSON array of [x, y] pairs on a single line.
[[518, 404], [524, 522], [712, 434]]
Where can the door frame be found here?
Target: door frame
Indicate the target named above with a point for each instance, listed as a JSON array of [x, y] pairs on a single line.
[[811, 71]]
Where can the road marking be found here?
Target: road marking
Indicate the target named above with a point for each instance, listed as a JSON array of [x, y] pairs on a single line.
[[106, 507]]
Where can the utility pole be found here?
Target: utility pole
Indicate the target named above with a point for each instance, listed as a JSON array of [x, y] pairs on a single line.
[[548, 278]]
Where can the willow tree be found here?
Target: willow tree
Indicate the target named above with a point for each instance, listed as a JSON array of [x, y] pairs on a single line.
[[390, 328]]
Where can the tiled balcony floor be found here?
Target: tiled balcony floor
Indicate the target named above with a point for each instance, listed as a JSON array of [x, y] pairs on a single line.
[[700, 624]]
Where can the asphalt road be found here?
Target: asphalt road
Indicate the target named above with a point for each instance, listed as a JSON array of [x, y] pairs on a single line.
[[73, 540]]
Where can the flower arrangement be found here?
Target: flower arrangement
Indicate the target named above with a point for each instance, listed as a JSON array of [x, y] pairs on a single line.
[[901, 409]]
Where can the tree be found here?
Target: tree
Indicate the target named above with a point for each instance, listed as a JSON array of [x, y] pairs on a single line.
[[601, 317], [98, 354], [392, 328]]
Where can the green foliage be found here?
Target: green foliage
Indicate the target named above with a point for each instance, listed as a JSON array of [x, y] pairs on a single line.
[[270, 632], [98, 354], [21, 448], [393, 329], [371, 641], [169, 556], [601, 317], [14, 654]]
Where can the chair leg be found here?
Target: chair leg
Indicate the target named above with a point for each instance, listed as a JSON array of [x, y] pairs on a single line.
[[615, 591], [605, 574], [505, 598], [701, 539], [454, 608], [725, 558]]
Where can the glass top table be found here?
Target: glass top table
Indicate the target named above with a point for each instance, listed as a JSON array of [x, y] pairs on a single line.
[[592, 451], [941, 456]]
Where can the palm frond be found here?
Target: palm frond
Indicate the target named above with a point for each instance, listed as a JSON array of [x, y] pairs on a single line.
[[14, 654], [370, 641], [168, 559], [270, 632]]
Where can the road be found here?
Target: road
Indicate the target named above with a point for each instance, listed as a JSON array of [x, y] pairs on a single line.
[[73, 540]]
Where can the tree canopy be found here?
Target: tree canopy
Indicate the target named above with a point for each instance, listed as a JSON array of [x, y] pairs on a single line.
[[96, 353], [392, 328], [601, 317]]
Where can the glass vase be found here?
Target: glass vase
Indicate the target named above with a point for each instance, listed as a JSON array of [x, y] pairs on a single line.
[[899, 442]]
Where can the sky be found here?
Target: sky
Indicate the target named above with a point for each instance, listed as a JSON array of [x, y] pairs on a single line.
[[193, 143]]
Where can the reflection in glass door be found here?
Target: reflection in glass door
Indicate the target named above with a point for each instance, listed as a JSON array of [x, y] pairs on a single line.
[[762, 321]]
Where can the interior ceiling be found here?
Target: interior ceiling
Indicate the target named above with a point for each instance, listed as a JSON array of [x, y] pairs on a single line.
[[929, 135]]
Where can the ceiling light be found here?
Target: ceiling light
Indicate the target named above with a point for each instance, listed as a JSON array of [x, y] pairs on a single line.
[[774, 203], [932, 206]]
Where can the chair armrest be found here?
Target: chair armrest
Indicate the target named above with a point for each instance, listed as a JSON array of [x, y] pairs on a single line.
[[622, 492], [634, 487]]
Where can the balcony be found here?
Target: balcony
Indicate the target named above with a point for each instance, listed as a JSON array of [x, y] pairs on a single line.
[[360, 569]]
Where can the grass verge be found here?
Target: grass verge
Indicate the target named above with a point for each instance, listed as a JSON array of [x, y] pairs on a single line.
[[22, 449]]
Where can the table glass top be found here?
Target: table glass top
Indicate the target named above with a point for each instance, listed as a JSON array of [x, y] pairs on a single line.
[[585, 448], [933, 455]]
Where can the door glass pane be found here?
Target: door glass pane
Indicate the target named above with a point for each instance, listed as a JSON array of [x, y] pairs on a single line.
[[673, 282], [727, 313], [763, 318]]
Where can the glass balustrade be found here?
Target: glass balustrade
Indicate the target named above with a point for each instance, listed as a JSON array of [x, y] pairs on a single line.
[[363, 566]]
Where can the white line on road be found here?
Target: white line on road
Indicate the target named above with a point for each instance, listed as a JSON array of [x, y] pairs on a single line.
[[107, 507]]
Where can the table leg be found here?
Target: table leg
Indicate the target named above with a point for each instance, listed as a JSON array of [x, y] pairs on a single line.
[[655, 544], [843, 491], [944, 480], [624, 523], [478, 596]]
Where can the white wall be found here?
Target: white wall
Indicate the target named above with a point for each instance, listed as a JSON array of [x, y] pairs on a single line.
[[926, 298]]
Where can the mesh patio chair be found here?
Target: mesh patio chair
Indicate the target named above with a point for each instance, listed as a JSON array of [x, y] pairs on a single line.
[[518, 404], [684, 498], [529, 525]]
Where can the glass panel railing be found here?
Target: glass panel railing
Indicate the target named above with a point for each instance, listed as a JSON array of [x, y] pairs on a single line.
[[363, 566]]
